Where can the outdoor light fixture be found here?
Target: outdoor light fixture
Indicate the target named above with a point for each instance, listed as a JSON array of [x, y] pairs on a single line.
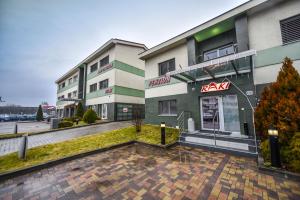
[[274, 147], [272, 131], [163, 132]]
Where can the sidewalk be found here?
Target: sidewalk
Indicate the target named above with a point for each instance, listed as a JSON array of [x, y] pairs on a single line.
[[12, 145]]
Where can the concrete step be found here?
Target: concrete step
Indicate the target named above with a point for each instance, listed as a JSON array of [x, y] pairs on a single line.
[[237, 152], [220, 142], [249, 141]]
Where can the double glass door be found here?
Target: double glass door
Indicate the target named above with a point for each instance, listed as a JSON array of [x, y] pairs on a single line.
[[220, 113]]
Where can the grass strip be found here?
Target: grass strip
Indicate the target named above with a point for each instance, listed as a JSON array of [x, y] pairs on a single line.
[[149, 134]]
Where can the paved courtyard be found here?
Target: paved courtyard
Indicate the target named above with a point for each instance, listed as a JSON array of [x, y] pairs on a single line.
[[23, 127], [142, 172], [12, 145]]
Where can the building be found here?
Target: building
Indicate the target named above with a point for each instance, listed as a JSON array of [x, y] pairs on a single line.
[[110, 81], [215, 72]]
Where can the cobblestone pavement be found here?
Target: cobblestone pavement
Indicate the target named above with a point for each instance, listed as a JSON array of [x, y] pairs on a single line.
[[12, 145], [142, 172]]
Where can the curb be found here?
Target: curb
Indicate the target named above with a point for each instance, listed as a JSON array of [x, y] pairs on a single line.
[[19, 172], [272, 170], [11, 136]]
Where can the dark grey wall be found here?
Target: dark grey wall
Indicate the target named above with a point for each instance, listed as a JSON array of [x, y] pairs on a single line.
[[241, 29], [191, 102], [191, 48], [215, 42]]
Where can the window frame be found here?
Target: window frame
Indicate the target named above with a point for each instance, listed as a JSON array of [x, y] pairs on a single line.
[[170, 112], [168, 66], [92, 66], [102, 60], [75, 78], [282, 23], [91, 86], [105, 80], [218, 51]]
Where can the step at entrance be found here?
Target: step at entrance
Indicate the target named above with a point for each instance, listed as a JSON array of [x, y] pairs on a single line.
[[223, 143]]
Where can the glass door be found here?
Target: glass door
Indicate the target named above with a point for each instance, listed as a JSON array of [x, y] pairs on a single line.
[[231, 114], [220, 113], [210, 115], [104, 111]]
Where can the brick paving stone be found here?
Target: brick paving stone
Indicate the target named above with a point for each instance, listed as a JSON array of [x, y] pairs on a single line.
[[143, 172]]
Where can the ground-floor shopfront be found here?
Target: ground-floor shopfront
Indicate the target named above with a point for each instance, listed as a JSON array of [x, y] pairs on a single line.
[[66, 111], [217, 105], [118, 111]]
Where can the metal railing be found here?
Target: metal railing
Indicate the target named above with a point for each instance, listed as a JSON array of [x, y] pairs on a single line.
[[181, 121], [214, 124]]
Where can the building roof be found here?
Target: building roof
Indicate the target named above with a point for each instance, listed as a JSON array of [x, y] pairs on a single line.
[[110, 43], [181, 38]]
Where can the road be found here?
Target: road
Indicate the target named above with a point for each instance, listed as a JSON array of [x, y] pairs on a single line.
[[12, 145]]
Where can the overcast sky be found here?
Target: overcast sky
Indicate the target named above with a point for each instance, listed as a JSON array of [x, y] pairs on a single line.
[[41, 40]]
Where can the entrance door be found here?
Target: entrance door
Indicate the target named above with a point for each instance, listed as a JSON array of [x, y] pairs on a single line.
[[220, 113], [104, 111], [210, 115]]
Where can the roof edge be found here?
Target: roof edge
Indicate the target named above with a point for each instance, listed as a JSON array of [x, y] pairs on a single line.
[[226, 15], [112, 41]]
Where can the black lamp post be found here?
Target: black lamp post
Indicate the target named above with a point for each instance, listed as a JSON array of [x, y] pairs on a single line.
[[163, 132], [274, 147]]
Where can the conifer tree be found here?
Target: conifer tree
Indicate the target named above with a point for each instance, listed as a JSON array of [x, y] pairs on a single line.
[[39, 114], [280, 104], [79, 111]]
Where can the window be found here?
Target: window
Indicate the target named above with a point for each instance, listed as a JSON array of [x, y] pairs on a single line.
[[75, 78], [63, 85], [69, 95], [70, 81], [166, 66], [104, 61], [93, 87], [103, 84], [167, 107], [94, 67], [219, 52], [290, 29], [75, 93]]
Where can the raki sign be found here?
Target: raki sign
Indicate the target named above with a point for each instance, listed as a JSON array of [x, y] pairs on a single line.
[[213, 87]]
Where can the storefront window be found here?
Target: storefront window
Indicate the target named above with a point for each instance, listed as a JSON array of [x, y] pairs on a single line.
[[231, 113], [167, 107]]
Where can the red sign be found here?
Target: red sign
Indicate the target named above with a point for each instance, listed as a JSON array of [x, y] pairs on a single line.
[[212, 87], [160, 81], [108, 91], [105, 68]]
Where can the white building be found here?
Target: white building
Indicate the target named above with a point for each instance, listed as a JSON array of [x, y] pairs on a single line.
[[111, 81]]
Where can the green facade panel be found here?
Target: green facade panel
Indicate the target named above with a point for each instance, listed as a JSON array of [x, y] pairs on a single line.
[[68, 87], [116, 90], [276, 55], [121, 66]]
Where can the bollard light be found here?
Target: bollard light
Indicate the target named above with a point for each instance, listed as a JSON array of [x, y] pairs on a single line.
[[274, 147], [163, 132], [16, 128]]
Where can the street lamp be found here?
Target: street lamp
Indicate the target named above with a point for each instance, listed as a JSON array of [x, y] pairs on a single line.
[[274, 147]]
